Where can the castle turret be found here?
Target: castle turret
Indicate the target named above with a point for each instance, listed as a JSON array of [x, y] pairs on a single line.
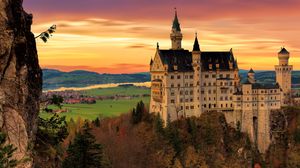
[[284, 73], [196, 54], [251, 76], [176, 36]]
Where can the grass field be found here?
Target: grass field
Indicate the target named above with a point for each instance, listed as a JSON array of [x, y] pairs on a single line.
[[131, 90], [105, 108]]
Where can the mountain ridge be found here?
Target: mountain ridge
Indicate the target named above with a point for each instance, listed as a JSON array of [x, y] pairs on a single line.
[[54, 79]]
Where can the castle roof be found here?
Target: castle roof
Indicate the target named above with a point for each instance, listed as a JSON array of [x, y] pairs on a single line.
[[283, 51], [196, 46], [224, 59], [251, 71], [176, 24], [182, 59]]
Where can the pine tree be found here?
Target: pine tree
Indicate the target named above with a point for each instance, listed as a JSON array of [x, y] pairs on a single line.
[[6, 152], [84, 152], [138, 113], [159, 125]]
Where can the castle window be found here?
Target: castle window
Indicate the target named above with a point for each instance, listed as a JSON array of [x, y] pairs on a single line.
[[198, 83], [221, 75], [214, 76], [221, 98], [204, 84], [209, 84], [191, 100], [209, 91], [204, 105], [206, 76], [181, 92], [221, 105], [191, 77], [178, 76], [214, 91], [172, 85], [172, 101], [191, 85], [172, 77], [192, 107], [228, 76], [181, 107], [221, 84], [172, 93], [178, 85], [187, 107], [191, 92]]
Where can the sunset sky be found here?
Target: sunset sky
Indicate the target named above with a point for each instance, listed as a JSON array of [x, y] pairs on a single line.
[[120, 36]]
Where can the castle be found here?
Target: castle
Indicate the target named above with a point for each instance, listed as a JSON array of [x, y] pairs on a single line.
[[187, 83]]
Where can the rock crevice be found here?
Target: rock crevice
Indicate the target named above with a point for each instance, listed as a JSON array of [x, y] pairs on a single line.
[[20, 77]]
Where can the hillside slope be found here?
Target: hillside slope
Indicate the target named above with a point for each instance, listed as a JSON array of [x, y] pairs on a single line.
[[53, 79]]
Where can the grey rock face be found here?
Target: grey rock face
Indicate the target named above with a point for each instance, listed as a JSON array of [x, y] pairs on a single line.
[[20, 78]]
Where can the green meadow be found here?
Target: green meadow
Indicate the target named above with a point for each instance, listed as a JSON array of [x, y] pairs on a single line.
[[129, 91], [103, 108]]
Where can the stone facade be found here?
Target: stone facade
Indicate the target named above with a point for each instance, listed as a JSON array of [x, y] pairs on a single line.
[[186, 84]]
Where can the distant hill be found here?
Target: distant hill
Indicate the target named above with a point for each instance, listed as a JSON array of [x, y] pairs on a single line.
[[55, 79], [269, 77]]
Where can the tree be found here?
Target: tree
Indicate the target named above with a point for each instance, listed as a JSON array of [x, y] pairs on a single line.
[[57, 100], [6, 152], [159, 125], [50, 135], [84, 152], [138, 112], [47, 34]]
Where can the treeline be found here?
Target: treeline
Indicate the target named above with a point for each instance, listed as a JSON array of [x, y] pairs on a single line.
[[67, 145], [140, 139]]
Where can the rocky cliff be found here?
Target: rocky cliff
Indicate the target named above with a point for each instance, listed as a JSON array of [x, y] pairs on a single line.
[[20, 77]]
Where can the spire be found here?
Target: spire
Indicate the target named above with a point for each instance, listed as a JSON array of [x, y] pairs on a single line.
[[251, 71], [176, 24], [283, 51], [196, 44]]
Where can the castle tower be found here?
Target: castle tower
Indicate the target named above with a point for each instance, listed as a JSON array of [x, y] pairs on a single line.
[[176, 36], [284, 72], [251, 76], [196, 56]]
